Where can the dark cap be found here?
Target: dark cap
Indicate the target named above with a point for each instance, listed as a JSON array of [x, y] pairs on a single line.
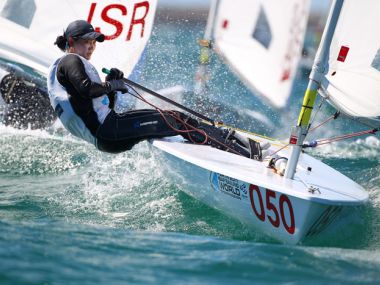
[[83, 30]]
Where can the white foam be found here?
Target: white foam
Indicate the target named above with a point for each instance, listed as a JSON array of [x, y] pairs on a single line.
[[360, 148], [127, 189], [56, 132], [353, 255]]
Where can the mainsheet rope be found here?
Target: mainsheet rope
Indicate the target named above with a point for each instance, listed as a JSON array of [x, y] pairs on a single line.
[[188, 127]]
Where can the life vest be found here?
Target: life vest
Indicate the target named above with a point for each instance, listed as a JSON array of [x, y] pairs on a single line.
[[59, 99]]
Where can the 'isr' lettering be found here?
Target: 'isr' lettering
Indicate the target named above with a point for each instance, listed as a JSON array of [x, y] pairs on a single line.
[[141, 8]]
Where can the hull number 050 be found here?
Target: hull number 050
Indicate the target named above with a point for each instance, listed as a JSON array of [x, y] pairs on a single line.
[[273, 211]]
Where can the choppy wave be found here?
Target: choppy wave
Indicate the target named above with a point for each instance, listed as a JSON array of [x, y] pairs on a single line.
[[354, 149], [39, 152], [88, 255], [64, 178]]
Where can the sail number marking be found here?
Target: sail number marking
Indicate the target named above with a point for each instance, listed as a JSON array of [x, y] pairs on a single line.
[[274, 212], [107, 14]]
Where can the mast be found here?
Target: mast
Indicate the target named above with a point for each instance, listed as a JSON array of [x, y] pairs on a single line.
[[211, 20], [205, 43], [300, 131]]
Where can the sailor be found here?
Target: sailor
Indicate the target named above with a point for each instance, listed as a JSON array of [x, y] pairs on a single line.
[[84, 103]]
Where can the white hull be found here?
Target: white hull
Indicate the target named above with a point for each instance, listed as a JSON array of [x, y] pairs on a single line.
[[284, 209]]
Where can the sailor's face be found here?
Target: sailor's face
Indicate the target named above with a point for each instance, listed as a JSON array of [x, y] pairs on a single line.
[[85, 48]]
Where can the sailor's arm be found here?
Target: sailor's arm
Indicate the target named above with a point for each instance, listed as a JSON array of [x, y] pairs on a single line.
[[74, 71]]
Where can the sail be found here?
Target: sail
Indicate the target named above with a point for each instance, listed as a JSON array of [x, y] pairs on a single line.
[[352, 75], [127, 25], [16, 45], [262, 42]]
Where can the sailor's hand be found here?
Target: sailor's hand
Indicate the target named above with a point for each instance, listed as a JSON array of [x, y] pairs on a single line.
[[116, 85], [114, 74]]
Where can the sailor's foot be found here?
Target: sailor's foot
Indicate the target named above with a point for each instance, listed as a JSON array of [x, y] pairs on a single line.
[[220, 138], [249, 146], [224, 139]]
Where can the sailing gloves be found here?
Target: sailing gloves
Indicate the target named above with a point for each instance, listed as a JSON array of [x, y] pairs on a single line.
[[116, 85], [114, 74], [114, 81]]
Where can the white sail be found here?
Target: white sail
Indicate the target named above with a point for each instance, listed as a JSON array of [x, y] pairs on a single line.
[[262, 41], [127, 25], [18, 46], [352, 75]]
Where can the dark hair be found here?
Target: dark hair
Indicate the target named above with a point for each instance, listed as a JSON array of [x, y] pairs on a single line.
[[61, 42]]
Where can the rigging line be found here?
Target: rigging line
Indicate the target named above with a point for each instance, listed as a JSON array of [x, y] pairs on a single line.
[[201, 116], [177, 117], [187, 125], [347, 136], [325, 121], [162, 113], [172, 114], [140, 97], [315, 114], [276, 151], [338, 138], [219, 124], [131, 83]]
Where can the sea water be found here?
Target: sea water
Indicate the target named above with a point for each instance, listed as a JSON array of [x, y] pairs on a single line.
[[70, 214]]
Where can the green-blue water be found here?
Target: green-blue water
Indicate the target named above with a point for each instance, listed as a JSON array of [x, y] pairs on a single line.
[[72, 215]]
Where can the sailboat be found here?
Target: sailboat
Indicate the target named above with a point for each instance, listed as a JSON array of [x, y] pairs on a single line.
[[301, 197], [248, 35]]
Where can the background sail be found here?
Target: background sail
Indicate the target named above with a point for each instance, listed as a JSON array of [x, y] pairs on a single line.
[[126, 24], [16, 45], [352, 74], [262, 41]]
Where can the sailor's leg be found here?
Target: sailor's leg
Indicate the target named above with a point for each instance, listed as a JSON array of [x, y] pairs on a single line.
[[225, 139], [220, 138], [121, 132]]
